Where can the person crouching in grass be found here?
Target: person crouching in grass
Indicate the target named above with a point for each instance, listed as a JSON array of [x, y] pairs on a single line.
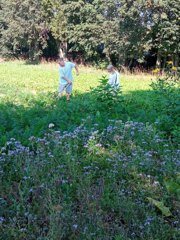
[[66, 77]]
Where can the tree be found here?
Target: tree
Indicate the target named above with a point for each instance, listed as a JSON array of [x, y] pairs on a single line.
[[23, 28], [54, 12], [164, 33]]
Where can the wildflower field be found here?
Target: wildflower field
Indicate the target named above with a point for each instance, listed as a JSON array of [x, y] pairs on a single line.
[[89, 168]]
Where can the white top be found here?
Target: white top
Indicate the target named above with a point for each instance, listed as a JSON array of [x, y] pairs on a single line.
[[114, 79]]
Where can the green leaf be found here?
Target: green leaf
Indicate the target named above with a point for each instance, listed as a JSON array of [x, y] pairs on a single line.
[[178, 178], [172, 186], [178, 193], [160, 205]]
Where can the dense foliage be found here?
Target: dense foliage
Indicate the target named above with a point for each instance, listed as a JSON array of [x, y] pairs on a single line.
[[167, 90], [123, 31], [22, 28], [118, 183]]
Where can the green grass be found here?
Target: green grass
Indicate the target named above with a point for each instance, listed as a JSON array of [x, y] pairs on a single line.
[[103, 172], [28, 100], [19, 81]]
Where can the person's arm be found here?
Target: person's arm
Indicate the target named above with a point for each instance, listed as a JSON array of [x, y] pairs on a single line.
[[67, 80], [77, 70], [110, 79], [114, 79], [75, 66]]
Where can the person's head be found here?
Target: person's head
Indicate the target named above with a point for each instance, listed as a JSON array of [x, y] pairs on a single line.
[[61, 62], [110, 68]]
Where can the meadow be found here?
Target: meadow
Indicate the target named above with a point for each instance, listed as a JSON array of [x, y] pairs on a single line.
[[87, 169], [28, 95]]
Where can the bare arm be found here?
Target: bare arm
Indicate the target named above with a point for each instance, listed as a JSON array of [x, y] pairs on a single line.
[[67, 80], [77, 70]]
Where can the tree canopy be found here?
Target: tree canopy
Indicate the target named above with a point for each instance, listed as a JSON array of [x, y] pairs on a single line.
[[119, 30]]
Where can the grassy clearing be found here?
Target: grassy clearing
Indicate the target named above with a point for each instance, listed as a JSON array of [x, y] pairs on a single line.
[[100, 173], [21, 79]]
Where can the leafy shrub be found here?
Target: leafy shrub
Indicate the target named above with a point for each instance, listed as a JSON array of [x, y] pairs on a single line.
[[107, 96], [168, 103]]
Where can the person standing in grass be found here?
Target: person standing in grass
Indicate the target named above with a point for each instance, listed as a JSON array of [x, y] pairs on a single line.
[[114, 76], [66, 77]]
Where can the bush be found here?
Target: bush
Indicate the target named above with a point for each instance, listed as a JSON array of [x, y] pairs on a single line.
[[107, 96], [168, 103]]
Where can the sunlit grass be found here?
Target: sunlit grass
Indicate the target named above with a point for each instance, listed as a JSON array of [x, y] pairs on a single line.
[[18, 80]]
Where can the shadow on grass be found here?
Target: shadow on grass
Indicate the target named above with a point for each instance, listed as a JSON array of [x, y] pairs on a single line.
[[19, 122]]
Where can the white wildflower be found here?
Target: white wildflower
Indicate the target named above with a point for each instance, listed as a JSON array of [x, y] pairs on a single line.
[[51, 125]]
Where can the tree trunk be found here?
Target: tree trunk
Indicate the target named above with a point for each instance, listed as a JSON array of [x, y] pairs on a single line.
[[34, 52], [164, 62], [130, 65], [108, 55], [158, 61], [63, 50], [176, 60]]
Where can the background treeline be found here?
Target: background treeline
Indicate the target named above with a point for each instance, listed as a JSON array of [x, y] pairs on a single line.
[[127, 32]]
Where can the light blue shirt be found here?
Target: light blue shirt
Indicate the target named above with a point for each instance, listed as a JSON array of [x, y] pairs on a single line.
[[66, 71]]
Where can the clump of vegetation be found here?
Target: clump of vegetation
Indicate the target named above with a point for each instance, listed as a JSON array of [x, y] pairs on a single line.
[[168, 105], [107, 97]]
